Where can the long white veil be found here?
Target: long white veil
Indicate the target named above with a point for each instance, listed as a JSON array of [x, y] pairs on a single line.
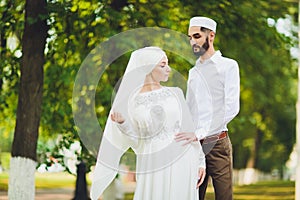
[[114, 143]]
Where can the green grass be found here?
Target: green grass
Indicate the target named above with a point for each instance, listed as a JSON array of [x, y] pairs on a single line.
[[3, 181], [55, 180], [45, 180], [281, 190], [275, 190]]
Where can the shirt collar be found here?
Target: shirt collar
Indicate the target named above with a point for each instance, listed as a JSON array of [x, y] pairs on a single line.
[[214, 58]]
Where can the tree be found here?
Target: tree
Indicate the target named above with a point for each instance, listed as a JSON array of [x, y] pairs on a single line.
[[264, 127], [23, 161], [9, 68], [297, 185]]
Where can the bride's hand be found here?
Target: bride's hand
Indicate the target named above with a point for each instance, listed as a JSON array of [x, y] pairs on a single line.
[[117, 117], [187, 136], [201, 176]]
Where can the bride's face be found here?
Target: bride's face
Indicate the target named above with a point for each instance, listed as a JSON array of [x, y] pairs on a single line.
[[161, 71]]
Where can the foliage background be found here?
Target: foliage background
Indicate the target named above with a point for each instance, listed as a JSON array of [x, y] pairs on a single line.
[[263, 134]]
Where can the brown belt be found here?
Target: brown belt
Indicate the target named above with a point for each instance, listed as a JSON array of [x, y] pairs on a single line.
[[214, 138]]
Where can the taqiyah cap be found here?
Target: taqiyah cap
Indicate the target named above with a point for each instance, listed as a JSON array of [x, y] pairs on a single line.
[[204, 22]]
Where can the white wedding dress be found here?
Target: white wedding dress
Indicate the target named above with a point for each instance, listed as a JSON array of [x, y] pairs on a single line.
[[165, 169]]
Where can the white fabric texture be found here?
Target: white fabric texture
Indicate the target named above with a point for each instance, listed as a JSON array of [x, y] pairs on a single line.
[[165, 169], [21, 179], [213, 94], [174, 176], [204, 22]]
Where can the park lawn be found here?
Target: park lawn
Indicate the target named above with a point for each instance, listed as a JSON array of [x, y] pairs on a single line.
[[275, 190], [45, 180], [55, 180], [3, 181]]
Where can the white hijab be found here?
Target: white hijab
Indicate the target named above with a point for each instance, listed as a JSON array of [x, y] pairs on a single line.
[[141, 63], [114, 143]]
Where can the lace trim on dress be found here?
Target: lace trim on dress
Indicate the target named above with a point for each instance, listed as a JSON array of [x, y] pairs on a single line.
[[158, 130], [152, 97]]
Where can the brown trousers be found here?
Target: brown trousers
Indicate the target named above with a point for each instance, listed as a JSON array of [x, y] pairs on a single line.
[[219, 168]]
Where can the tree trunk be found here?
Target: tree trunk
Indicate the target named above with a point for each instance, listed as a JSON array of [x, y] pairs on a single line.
[[297, 185], [252, 161], [81, 191], [23, 161], [250, 175]]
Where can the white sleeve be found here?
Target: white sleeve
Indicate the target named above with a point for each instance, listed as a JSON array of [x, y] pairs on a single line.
[[200, 132], [113, 145], [232, 92], [202, 163], [124, 127], [187, 124]]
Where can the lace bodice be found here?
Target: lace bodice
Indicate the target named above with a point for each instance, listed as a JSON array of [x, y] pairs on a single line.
[[156, 115]]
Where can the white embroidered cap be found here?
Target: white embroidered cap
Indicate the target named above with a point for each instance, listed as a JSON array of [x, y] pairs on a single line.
[[204, 22]]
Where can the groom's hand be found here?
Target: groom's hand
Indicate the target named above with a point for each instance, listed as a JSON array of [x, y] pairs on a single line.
[[186, 136]]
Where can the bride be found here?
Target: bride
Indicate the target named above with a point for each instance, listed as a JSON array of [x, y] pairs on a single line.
[[147, 116]]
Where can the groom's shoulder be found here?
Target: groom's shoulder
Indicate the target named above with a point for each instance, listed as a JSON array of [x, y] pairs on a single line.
[[192, 69], [225, 59]]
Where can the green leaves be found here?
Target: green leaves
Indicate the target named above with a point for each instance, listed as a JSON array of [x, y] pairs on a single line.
[[268, 73]]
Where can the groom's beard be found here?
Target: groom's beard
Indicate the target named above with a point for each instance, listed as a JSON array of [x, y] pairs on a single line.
[[200, 50]]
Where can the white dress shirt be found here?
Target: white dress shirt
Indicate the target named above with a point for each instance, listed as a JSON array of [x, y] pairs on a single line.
[[213, 94]]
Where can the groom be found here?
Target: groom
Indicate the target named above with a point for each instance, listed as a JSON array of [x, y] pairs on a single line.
[[213, 97]]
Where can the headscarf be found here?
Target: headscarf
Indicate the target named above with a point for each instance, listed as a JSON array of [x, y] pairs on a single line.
[[140, 64], [114, 143]]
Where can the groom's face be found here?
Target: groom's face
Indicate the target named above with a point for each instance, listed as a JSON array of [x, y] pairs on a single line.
[[198, 40]]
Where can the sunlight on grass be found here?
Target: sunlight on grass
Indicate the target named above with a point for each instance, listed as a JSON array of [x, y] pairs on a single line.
[[276, 190], [3, 181], [283, 190], [55, 180], [45, 180]]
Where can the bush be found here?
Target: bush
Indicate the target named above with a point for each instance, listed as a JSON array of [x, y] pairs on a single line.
[[4, 160]]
